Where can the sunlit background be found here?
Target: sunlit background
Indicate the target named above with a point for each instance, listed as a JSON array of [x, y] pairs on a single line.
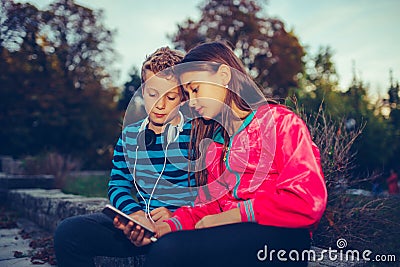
[[68, 73], [363, 34]]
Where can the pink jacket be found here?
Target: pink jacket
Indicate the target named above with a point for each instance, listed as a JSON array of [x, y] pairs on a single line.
[[272, 173]]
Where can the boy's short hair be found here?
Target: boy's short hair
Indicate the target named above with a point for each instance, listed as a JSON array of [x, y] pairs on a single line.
[[162, 59]]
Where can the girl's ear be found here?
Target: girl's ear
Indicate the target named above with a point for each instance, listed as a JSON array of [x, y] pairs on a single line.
[[224, 71]]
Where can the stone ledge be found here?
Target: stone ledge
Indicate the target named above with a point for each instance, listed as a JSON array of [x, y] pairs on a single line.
[[48, 207], [9, 182]]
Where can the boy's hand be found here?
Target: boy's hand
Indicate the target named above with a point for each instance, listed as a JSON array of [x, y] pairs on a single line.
[[160, 214], [119, 223], [135, 233]]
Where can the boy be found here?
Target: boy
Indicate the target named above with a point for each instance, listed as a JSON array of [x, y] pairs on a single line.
[[140, 161], [162, 98]]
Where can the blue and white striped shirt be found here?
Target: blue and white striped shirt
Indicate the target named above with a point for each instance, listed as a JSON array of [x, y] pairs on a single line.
[[147, 163]]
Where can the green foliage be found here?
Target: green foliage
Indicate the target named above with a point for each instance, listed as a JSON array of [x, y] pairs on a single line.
[[56, 92], [90, 185], [394, 122], [376, 146], [318, 84], [270, 53]]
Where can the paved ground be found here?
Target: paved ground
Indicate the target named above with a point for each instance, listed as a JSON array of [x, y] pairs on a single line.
[[25, 244]]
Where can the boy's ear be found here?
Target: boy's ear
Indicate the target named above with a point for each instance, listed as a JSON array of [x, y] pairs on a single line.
[[225, 73], [142, 87]]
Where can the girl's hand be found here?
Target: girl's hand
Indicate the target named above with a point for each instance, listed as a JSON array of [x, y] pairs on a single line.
[[226, 217], [160, 214]]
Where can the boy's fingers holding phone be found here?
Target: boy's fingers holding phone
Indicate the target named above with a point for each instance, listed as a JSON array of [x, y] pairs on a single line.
[[139, 238], [118, 224], [138, 235], [134, 234], [128, 228]]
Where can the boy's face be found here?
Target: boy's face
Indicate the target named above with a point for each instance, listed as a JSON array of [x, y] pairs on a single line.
[[161, 99]]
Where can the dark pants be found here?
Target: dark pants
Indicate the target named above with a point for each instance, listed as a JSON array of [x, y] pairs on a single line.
[[79, 239], [243, 244]]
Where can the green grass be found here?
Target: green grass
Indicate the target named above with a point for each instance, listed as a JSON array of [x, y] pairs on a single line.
[[90, 186]]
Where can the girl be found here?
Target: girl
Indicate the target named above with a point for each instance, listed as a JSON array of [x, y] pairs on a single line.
[[266, 191]]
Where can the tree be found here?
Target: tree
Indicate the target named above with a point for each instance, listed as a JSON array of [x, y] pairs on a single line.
[[394, 93], [319, 90], [394, 120], [318, 86], [80, 41], [270, 53], [55, 81], [23, 68], [375, 145], [130, 88]]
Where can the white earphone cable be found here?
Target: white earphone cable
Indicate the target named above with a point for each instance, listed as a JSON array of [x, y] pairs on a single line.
[[158, 179], [147, 204], [134, 178]]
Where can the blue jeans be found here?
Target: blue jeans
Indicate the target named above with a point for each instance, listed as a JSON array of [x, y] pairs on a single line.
[[78, 239]]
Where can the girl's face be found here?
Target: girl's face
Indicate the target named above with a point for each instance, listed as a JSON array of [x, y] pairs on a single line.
[[162, 100], [206, 92]]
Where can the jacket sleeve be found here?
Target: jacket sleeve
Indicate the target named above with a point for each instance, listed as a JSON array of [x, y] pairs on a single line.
[[120, 184], [185, 218], [297, 197]]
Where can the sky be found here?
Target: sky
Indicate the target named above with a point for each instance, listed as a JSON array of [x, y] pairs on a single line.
[[364, 35]]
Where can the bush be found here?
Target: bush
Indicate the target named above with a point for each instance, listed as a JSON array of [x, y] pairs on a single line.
[[365, 222], [52, 163]]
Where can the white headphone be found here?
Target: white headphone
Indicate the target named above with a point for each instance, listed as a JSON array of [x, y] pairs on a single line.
[[148, 137]]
